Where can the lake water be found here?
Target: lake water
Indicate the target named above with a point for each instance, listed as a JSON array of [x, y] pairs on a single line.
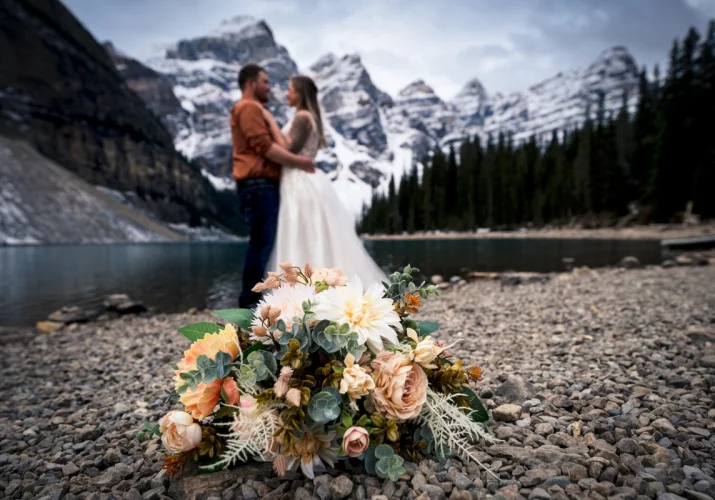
[[34, 281]]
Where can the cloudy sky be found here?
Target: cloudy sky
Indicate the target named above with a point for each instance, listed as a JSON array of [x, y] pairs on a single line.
[[507, 44]]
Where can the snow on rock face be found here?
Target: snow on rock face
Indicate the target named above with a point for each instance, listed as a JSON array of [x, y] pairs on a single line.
[[371, 135], [204, 72]]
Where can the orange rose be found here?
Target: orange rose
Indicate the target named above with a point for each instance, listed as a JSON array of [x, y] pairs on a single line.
[[201, 402]]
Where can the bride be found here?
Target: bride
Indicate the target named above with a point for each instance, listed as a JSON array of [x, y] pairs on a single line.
[[313, 224]]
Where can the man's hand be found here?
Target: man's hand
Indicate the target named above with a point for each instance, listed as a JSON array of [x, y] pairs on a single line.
[[306, 164]]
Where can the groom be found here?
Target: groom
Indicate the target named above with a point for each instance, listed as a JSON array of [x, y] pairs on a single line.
[[257, 161]]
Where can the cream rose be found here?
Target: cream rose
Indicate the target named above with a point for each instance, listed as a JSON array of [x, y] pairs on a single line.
[[425, 351], [356, 381], [179, 432], [400, 386], [331, 277], [355, 441]]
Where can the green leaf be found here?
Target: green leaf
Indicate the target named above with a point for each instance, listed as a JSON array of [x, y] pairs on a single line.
[[384, 451], [148, 427], [346, 420], [223, 364], [480, 413], [323, 407], [364, 421], [207, 368], [140, 436], [240, 317], [175, 367], [382, 468], [258, 346], [197, 331], [427, 327]]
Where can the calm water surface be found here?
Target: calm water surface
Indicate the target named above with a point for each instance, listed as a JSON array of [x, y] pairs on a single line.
[[34, 281]]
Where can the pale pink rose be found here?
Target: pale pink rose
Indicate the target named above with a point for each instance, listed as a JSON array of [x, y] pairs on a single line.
[[179, 432], [355, 441], [400, 386], [332, 277]]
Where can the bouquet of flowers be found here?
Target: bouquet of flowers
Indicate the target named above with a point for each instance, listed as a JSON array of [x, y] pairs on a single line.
[[322, 371]]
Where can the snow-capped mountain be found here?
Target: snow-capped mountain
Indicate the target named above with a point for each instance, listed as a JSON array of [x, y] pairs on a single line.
[[372, 135]]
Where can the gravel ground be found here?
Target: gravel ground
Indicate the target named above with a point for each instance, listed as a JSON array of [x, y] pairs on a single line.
[[601, 385]]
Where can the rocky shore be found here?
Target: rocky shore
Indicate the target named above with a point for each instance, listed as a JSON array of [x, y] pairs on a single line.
[[649, 232], [600, 384]]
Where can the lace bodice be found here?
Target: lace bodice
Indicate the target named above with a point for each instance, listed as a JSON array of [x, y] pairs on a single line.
[[312, 145]]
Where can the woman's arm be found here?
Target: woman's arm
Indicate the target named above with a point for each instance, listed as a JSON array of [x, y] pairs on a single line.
[[299, 132]]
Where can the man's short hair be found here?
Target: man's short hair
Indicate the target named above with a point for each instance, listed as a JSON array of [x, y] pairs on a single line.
[[248, 73]]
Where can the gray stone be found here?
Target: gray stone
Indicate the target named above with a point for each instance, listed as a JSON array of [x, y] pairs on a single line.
[[248, 493], [561, 481], [515, 390], [434, 492], [153, 494], [539, 494], [507, 413], [462, 481], [341, 487]]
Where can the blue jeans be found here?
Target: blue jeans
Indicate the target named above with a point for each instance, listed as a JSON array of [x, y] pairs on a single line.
[[259, 203]]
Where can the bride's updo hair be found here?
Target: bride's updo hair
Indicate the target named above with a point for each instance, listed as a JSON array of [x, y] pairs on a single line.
[[308, 100]]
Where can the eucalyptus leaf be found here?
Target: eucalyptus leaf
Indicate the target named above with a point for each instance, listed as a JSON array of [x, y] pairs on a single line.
[[384, 451], [323, 407], [223, 364], [197, 331], [258, 346]]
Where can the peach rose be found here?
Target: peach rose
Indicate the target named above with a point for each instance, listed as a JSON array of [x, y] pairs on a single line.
[[400, 386], [355, 441], [356, 381], [201, 402], [332, 277], [425, 351], [179, 432]]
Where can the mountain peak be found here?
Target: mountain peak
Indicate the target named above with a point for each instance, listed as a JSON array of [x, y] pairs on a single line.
[[473, 88], [416, 87], [236, 25]]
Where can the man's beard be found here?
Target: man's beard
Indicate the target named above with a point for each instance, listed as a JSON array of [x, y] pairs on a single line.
[[263, 98]]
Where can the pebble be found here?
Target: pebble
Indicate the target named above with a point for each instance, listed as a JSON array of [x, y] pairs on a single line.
[[614, 404]]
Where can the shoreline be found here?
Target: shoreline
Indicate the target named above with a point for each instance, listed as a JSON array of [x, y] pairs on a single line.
[[650, 232]]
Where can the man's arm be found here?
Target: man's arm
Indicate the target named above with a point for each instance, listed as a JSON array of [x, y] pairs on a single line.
[[281, 155]]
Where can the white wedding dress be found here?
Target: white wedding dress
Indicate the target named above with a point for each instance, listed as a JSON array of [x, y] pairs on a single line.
[[315, 227]]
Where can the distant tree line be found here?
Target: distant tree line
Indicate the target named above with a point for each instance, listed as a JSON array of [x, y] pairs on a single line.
[[659, 159]]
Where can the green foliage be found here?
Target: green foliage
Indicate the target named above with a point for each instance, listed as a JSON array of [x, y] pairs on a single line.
[[333, 338], [149, 431], [386, 463], [263, 364], [324, 407], [197, 331], [240, 317], [660, 157], [479, 412]]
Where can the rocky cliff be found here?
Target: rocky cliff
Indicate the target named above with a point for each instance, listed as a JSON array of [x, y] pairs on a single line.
[[60, 92]]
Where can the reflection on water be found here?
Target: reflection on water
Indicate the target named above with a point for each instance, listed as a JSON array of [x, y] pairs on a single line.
[[34, 281]]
